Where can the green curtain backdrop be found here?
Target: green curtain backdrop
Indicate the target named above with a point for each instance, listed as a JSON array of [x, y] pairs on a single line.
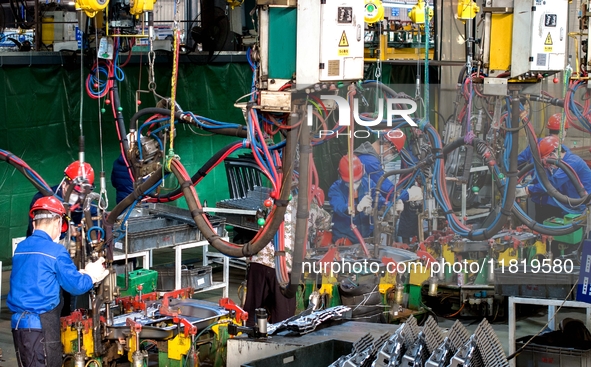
[[40, 123]]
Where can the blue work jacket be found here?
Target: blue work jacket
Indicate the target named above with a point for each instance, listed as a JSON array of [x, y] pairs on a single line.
[[39, 267], [338, 196]]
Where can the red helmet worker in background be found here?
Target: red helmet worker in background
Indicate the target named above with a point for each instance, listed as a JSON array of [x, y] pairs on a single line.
[[548, 145], [76, 171], [554, 122], [344, 169], [397, 138]]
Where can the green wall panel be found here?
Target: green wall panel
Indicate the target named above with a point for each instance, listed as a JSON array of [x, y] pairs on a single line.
[[40, 122]]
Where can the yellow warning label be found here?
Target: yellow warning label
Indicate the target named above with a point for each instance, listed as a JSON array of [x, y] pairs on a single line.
[[547, 48], [548, 39], [344, 42], [343, 52]]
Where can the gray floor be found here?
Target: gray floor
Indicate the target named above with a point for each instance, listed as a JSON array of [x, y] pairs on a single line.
[[525, 327]]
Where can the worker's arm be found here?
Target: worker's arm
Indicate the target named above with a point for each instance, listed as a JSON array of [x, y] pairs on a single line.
[[68, 276], [374, 169], [338, 200]]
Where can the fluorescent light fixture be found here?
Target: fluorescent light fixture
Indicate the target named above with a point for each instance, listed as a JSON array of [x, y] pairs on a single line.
[[71, 3]]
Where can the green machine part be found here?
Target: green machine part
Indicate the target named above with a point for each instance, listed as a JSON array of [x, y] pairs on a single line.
[[282, 42], [147, 278]]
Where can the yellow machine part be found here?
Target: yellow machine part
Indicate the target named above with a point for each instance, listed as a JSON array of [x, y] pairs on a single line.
[[418, 274], [417, 13], [540, 248], [178, 346], [374, 11], [137, 7], [507, 255], [69, 338], [467, 9], [386, 282], [47, 30], [448, 254], [501, 33], [131, 343], [91, 7]]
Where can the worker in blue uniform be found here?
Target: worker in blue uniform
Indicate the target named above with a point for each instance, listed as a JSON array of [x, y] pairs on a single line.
[[374, 155], [121, 179], [82, 177], [547, 206], [39, 268], [338, 196], [553, 126]]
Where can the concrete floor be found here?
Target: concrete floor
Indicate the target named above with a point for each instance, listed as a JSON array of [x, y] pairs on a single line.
[[525, 326]]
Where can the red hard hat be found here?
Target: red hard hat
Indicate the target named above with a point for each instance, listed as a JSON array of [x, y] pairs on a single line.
[[74, 170], [548, 145], [554, 122], [318, 193], [52, 205], [397, 138], [344, 168]]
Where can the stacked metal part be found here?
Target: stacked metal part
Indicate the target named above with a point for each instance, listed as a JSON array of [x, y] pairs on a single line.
[[456, 337], [429, 339], [483, 349], [393, 350], [364, 352], [410, 346]]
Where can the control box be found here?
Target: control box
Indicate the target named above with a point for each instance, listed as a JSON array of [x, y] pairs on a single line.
[[540, 37], [330, 40]]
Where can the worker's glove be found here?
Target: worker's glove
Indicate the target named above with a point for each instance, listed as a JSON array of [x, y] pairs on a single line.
[[520, 192], [399, 207], [415, 194], [96, 270], [365, 205]]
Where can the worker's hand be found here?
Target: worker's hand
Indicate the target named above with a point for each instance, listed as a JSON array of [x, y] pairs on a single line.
[[365, 205], [415, 193], [399, 207], [520, 192], [96, 270]]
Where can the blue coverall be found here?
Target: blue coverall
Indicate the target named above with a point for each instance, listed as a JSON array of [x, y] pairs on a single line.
[[338, 196], [120, 179], [39, 267], [373, 167], [562, 183]]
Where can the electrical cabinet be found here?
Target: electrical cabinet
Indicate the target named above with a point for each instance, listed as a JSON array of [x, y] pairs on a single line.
[[341, 40], [539, 36], [329, 41], [59, 26]]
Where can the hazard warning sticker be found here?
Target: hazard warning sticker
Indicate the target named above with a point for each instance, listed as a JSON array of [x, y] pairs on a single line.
[[343, 42], [548, 41]]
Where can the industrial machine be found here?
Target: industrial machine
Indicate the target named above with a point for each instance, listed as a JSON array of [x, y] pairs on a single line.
[[306, 96]]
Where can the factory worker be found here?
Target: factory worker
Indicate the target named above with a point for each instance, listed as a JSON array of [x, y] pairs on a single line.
[[546, 206], [374, 155], [81, 177], [377, 154], [39, 268], [553, 130], [120, 179], [363, 196], [263, 290]]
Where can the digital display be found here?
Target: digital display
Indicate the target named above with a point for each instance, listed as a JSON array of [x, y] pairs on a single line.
[[345, 14], [550, 20]]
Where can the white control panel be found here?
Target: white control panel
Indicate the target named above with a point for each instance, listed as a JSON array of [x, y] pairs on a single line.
[[341, 40], [540, 36]]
